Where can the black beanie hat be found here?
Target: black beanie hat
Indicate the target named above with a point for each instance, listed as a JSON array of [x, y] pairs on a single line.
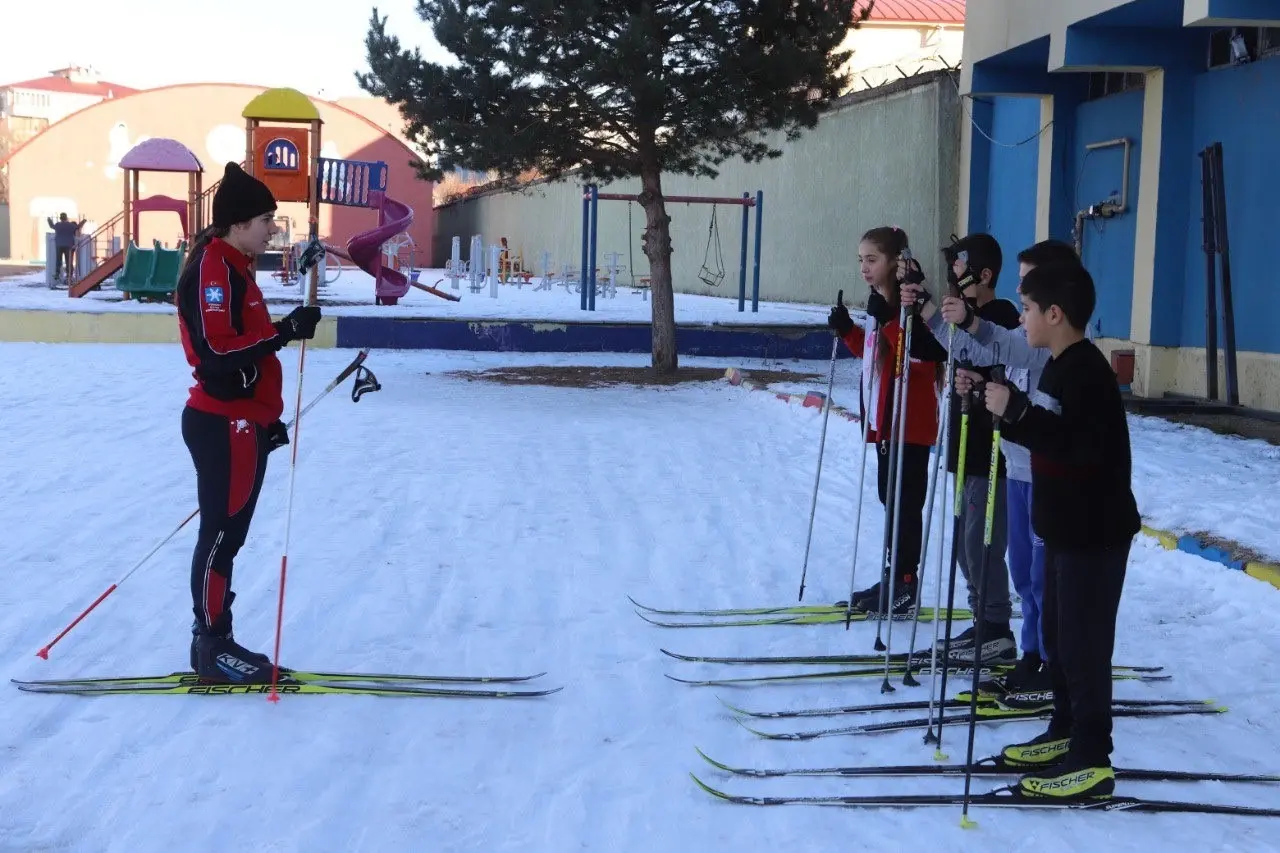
[[240, 197]]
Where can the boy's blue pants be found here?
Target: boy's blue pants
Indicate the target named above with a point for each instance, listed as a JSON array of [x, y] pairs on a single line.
[[1026, 564]]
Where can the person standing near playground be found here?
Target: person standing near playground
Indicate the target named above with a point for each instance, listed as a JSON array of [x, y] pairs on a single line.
[[231, 420], [878, 255], [64, 242], [1024, 364]]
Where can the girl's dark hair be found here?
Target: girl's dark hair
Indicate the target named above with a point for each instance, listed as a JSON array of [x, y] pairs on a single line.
[[199, 243], [892, 241]]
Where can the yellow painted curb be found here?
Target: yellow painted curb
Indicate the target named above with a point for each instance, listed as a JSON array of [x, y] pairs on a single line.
[[1168, 540], [114, 327], [1264, 572]]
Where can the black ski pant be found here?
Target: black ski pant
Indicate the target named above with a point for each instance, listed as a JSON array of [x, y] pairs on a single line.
[[915, 487], [1081, 599], [230, 457], [61, 254]]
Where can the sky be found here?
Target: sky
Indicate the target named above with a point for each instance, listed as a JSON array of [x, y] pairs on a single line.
[[316, 46]]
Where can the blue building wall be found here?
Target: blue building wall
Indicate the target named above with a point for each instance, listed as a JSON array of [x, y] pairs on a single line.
[[1012, 163], [1108, 243], [1239, 107]]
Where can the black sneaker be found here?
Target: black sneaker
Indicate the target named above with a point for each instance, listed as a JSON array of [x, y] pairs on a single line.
[[222, 660]]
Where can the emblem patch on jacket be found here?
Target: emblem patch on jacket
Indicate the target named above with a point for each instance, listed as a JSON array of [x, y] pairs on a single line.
[[214, 296]]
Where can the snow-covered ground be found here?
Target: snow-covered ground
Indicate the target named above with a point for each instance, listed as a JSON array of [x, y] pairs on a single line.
[[456, 526], [352, 294]]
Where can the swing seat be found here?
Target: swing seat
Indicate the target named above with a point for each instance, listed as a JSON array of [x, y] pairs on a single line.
[[710, 278]]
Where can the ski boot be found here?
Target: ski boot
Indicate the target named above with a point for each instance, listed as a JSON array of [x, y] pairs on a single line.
[[1075, 778], [1029, 675], [903, 605], [1042, 751], [221, 660], [998, 647]]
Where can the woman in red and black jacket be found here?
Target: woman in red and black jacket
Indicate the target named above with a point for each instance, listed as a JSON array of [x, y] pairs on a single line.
[[232, 417], [877, 344]]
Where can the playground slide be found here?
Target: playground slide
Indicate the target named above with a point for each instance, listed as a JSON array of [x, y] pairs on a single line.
[[100, 274], [365, 249]]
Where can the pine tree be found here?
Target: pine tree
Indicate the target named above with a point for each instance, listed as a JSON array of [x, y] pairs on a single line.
[[600, 90]]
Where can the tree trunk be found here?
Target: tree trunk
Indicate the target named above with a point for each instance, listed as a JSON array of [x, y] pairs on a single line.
[[657, 248]]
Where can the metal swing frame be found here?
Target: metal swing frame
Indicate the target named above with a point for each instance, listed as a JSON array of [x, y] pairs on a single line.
[[591, 198]]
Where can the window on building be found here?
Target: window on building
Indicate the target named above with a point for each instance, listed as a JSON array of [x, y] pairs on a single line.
[[1259, 42], [1104, 83], [1268, 41]]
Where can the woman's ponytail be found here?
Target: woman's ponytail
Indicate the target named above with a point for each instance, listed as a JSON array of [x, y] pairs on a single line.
[[200, 243]]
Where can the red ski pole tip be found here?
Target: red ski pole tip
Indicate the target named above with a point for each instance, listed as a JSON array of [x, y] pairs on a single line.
[[43, 653]]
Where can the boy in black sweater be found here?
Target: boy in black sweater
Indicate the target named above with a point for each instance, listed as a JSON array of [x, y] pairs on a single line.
[[1082, 506]]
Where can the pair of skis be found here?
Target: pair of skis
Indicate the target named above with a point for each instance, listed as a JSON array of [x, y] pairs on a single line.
[[1119, 673], [1006, 797], [988, 713], [295, 683], [799, 614]]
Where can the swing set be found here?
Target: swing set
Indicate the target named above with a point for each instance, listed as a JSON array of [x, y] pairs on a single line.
[[712, 272]]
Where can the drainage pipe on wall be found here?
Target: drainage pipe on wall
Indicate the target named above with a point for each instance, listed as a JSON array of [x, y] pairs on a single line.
[[1105, 209]]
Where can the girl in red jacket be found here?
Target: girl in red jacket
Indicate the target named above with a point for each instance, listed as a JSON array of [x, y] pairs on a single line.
[[878, 344]]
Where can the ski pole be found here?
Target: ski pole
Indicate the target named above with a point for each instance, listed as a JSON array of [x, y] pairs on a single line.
[[857, 515], [939, 462], [274, 696], [901, 439], [887, 543], [979, 620], [44, 652], [962, 447], [867, 419], [822, 446]]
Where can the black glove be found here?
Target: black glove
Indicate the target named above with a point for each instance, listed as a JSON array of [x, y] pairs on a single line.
[[310, 256], [879, 308], [839, 320], [299, 324], [277, 436], [1017, 406], [913, 274]]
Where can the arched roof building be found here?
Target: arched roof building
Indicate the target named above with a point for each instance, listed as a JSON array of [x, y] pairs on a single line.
[[74, 167]]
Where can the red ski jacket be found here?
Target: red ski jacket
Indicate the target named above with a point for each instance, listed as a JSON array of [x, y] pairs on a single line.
[[876, 394], [229, 338]]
